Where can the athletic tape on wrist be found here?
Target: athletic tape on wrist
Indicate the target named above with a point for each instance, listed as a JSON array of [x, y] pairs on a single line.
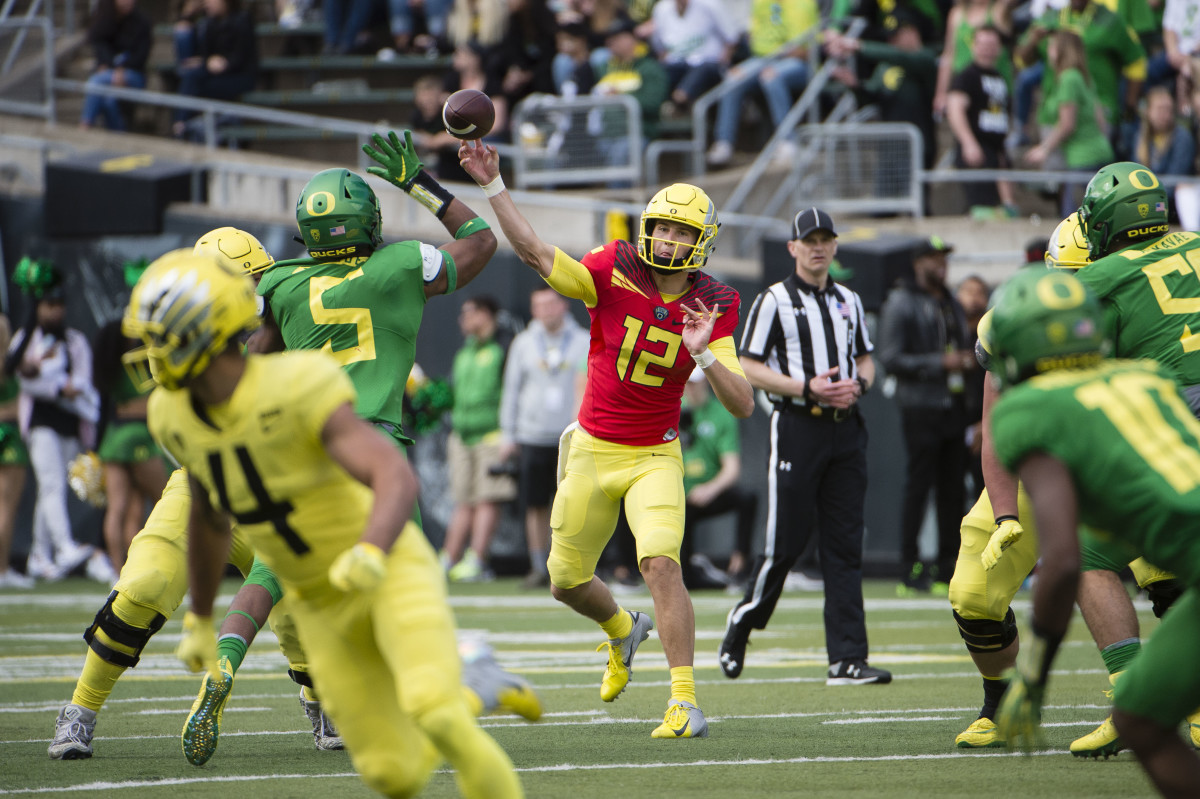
[[494, 188], [471, 226], [705, 359]]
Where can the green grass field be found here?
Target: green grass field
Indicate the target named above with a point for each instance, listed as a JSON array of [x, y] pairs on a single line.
[[776, 731]]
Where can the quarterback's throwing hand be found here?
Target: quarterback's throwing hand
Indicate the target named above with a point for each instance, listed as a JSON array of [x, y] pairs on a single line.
[[1008, 532], [198, 647], [359, 568], [398, 161]]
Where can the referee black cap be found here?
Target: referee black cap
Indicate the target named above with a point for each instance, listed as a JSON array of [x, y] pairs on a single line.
[[808, 220]]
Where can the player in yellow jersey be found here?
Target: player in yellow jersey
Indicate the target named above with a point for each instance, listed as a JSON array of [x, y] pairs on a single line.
[[273, 442]]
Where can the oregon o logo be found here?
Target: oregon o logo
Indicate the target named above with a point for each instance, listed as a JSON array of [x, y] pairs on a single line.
[[329, 200], [1059, 292], [1136, 179]]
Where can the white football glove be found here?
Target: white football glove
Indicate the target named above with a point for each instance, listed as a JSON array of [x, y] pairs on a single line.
[[1008, 532]]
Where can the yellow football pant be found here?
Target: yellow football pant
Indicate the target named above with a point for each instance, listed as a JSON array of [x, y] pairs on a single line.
[[598, 475], [386, 666]]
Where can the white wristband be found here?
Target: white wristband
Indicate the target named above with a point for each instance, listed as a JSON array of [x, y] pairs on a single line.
[[494, 188], [705, 359]]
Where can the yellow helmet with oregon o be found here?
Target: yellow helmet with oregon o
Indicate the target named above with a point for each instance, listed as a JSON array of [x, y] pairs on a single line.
[[1068, 247], [235, 248], [688, 205]]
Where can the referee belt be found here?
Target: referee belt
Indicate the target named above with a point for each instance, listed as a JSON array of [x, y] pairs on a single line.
[[817, 411]]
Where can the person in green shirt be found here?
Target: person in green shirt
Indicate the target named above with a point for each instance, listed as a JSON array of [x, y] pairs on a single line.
[[478, 481], [712, 467], [1079, 126]]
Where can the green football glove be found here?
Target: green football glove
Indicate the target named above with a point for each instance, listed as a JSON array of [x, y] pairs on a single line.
[[359, 568], [398, 161], [1008, 532], [198, 646]]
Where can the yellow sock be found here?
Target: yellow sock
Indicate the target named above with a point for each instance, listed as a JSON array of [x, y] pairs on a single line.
[[683, 684], [98, 677], [620, 625]]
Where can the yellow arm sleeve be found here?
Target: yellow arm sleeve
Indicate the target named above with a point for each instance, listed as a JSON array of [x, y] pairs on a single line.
[[572, 279], [726, 353]]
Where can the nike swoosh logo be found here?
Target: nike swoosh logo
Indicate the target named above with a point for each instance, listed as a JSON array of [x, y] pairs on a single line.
[[677, 322], [679, 733]]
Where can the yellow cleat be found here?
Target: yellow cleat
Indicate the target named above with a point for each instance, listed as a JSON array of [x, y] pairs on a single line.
[[1194, 729], [683, 720], [982, 734], [620, 656], [203, 725], [1100, 742]]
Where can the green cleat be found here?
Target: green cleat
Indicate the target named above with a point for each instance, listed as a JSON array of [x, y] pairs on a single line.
[[982, 734], [203, 724], [1100, 742]]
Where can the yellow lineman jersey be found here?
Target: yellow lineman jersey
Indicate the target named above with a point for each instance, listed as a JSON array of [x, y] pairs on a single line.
[[261, 459]]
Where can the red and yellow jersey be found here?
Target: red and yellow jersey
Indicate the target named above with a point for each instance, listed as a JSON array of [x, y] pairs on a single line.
[[637, 364]]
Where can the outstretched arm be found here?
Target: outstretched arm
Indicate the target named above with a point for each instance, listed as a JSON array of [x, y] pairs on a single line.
[[482, 162]]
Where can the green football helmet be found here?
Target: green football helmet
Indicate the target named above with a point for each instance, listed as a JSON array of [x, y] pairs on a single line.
[[338, 216], [1044, 320], [1124, 203]]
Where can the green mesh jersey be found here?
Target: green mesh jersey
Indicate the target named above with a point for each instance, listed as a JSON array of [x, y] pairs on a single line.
[[364, 311], [1132, 447], [1151, 299]]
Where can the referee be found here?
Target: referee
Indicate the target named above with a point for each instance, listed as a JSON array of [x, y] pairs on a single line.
[[806, 345]]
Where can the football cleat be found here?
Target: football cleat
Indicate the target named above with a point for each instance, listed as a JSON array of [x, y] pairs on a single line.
[[325, 735], [732, 654], [203, 725], [856, 672], [1100, 742], [620, 656], [498, 689], [1194, 729], [982, 734], [73, 733], [683, 720]]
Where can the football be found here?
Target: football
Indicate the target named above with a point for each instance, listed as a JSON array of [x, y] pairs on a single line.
[[468, 114]]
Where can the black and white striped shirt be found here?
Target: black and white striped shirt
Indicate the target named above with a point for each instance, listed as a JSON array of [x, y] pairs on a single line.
[[801, 331]]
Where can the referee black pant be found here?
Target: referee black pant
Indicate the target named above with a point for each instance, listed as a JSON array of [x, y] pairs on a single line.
[[816, 480]]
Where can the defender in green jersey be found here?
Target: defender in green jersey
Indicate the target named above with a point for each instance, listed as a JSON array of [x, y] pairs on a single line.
[[1109, 444]]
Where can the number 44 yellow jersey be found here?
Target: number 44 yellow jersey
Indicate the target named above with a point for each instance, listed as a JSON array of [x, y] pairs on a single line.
[[261, 459], [1151, 298]]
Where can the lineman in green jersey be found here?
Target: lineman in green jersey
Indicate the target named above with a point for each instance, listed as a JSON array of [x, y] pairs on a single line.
[[1111, 445], [1000, 547]]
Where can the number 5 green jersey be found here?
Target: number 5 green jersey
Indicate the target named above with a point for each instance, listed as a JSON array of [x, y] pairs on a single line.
[[1132, 447], [1151, 298], [365, 312]]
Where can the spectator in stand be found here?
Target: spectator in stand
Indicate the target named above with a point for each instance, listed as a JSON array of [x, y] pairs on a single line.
[[712, 469], [573, 71], [540, 400], [217, 55], [1181, 40], [632, 70], [1114, 56], [401, 20], [1162, 141], [120, 36], [902, 81], [1077, 115], [882, 17], [346, 24], [958, 52], [778, 66], [694, 40], [477, 481], [977, 110]]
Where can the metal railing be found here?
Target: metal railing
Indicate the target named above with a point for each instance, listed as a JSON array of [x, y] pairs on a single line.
[[21, 27], [582, 140]]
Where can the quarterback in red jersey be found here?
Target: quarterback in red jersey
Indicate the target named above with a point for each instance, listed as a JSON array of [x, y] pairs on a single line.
[[654, 318]]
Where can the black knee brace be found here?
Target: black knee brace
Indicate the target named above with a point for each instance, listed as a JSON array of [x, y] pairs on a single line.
[[300, 678], [125, 634], [987, 635], [1163, 594]]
